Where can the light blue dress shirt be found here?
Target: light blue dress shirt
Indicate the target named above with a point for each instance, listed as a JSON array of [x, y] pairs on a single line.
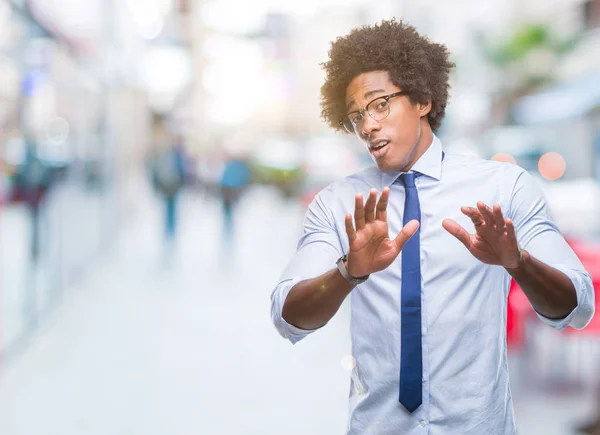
[[465, 372]]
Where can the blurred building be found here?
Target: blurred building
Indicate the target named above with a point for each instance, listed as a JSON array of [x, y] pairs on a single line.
[[80, 83]]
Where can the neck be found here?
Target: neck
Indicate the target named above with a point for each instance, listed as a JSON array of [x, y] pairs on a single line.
[[424, 141]]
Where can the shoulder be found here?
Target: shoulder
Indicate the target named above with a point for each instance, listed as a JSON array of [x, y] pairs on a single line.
[[337, 198], [359, 182], [472, 165], [475, 163]]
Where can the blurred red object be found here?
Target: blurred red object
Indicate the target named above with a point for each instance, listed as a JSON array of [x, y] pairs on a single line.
[[519, 308], [308, 195]]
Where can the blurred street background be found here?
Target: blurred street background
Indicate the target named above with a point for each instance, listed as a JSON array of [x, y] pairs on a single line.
[[157, 158]]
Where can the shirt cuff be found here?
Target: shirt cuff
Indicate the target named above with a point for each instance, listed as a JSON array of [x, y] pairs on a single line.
[[286, 330], [584, 311]]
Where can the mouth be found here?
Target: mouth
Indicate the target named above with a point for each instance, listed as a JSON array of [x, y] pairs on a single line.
[[377, 148]]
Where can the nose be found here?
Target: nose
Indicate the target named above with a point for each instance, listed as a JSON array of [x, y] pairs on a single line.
[[369, 125]]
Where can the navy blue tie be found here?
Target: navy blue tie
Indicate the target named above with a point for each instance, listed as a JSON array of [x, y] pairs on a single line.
[[411, 361]]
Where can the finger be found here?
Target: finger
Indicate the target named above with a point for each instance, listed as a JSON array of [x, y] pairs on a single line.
[[406, 233], [457, 231], [486, 213], [473, 214], [359, 212], [370, 206], [382, 205], [350, 228], [510, 231], [498, 218]]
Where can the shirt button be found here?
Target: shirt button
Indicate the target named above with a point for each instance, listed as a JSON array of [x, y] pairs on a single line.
[[423, 423]]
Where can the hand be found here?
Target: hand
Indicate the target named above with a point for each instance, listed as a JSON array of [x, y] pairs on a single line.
[[494, 242], [371, 249]]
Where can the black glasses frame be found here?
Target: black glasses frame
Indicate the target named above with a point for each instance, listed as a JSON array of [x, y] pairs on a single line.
[[366, 109]]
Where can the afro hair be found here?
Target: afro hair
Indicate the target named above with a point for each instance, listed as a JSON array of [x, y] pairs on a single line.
[[416, 65]]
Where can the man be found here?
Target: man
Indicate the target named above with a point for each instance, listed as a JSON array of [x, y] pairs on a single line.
[[428, 292]]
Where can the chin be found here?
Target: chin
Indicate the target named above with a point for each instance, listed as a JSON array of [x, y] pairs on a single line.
[[390, 166], [386, 167]]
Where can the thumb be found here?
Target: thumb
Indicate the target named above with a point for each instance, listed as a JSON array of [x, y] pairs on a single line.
[[407, 232], [457, 231]]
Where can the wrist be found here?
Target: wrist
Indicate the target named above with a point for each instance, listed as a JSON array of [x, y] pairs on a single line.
[[346, 266], [342, 265], [523, 256], [350, 270]]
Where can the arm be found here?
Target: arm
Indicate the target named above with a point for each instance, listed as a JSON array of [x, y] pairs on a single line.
[[313, 288], [313, 302], [318, 249], [550, 274], [530, 247], [551, 292]]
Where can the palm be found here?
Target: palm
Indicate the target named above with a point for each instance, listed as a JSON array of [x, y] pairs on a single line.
[[371, 248], [374, 247], [494, 241]]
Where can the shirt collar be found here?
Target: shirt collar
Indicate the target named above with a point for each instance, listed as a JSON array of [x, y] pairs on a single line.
[[429, 164]]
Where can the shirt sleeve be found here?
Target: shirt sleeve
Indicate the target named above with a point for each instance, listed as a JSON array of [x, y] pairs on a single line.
[[537, 233], [318, 249]]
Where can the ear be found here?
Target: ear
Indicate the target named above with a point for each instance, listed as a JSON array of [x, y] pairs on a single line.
[[424, 108]]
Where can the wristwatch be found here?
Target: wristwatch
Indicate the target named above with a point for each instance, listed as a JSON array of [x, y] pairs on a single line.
[[342, 268]]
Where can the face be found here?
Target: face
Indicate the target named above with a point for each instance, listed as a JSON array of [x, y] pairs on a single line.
[[398, 140]]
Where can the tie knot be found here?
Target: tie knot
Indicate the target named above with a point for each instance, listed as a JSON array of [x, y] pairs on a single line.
[[409, 179]]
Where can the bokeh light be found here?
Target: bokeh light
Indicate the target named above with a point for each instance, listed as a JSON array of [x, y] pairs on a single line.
[[348, 362], [552, 166], [504, 157], [57, 130]]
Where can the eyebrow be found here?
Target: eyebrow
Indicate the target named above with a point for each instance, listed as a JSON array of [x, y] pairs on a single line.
[[367, 96]]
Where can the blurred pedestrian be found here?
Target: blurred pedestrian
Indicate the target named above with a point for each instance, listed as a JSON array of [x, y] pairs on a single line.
[[33, 179], [234, 180], [168, 175], [428, 326]]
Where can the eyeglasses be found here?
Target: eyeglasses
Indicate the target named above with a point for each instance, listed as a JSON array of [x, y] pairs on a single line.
[[378, 109]]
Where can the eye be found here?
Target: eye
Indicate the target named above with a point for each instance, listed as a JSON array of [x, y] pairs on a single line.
[[381, 105], [356, 118]]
